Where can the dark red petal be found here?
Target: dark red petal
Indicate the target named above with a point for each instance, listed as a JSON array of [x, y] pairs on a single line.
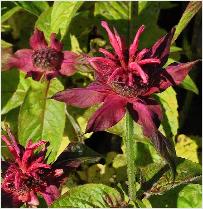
[[50, 194], [37, 40], [108, 115], [148, 115], [81, 97], [161, 48], [177, 73], [173, 75], [22, 59], [55, 44], [68, 66]]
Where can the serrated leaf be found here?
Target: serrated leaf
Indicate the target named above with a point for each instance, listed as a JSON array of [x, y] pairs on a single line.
[[90, 196], [169, 104], [34, 7], [62, 14], [189, 84], [192, 8], [158, 178], [42, 118], [14, 88]]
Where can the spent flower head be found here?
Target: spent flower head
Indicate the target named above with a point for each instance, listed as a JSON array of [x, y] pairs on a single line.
[[43, 59], [126, 79], [28, 175]]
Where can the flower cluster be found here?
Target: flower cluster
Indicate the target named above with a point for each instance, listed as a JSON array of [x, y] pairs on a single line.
[[126, 79], [43, 60], [28, 175]]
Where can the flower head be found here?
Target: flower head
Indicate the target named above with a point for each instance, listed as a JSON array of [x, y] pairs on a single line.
[[28, 174], [125, 79], [42, 59]]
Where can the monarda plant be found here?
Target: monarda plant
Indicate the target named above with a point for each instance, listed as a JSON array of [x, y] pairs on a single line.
[[28, 175], [125, 80], [43, 60]]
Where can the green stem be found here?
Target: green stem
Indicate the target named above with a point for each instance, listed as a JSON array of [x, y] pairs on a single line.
[[130, 144]]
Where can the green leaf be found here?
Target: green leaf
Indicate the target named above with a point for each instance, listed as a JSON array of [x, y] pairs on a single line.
[[158, 178], [169, 104], [14, 88], [34, 7], [192, 8], [190, 197], [187, 147], [5, 44], [189, 84], [9, 13], [41, 117], [62, 14], [44, 22], [90, 196]]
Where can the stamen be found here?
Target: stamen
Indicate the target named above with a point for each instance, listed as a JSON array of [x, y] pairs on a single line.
[[46, 58]]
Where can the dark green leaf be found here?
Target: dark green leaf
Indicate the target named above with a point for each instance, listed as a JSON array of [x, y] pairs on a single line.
[[188, 196], [42, 118], [34, 7], [90, 196], [9, 13], [192, 8], [158, 178]]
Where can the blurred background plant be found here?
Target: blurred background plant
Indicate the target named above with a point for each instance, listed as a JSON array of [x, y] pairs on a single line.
[[29, 114]]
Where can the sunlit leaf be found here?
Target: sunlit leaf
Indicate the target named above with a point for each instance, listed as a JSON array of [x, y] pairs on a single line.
[[62, 14], [14, 88], [42, 118], [192, 8], [169, 104], [189, 84], [187, 147], [90, 196], [190, 197], [44, 22]]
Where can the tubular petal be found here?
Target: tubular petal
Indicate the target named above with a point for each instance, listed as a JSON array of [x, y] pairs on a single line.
[[107, 53], [149, 61], [134, 45], [135, 67]]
